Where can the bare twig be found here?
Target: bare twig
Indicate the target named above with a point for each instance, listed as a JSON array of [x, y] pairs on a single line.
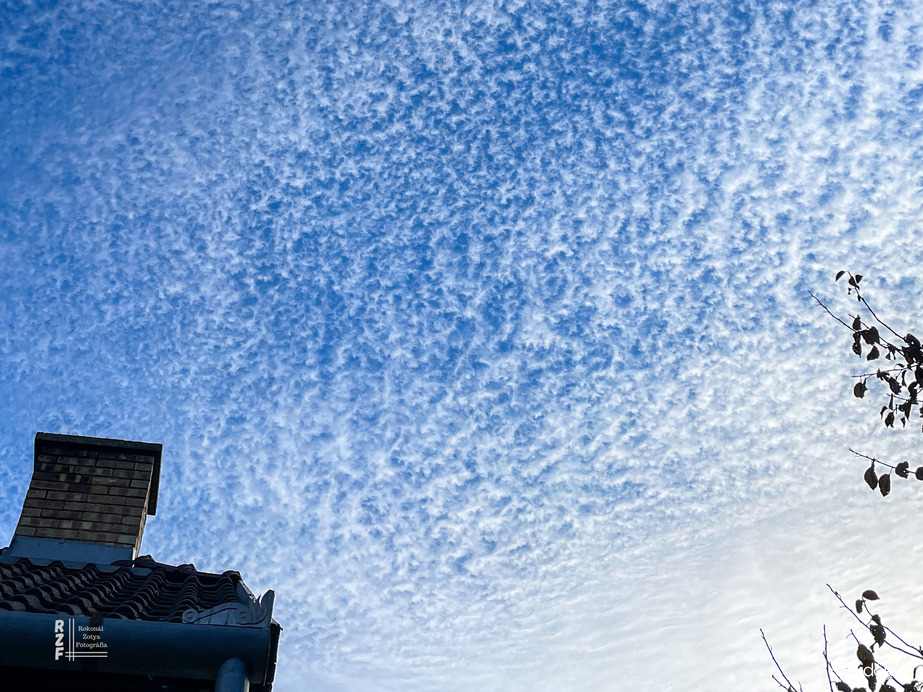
[[877, 318], [827, 661], [773, 657], [855, 287], [890, 674], [868, 307], [899, 368], [866, 456], [827, 310]]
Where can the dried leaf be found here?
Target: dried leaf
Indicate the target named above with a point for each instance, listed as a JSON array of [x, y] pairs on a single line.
[[919, 473], [878, 632], [869, 595], [857, 323], [870, 477], [843, 687], [859, 390], [884, 484], [873, 354], [865, 656], [903, 469], [839, 274], [859, 604], [858, 278]]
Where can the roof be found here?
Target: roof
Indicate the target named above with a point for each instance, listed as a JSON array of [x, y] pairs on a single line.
[[71, 573], [142, 590], [137, 594]]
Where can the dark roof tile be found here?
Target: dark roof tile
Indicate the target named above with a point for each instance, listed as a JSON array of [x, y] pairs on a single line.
[[140, 590]]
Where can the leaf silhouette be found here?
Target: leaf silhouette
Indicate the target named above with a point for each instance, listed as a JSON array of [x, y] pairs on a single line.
[[903, 469], [869, 595], [884, 484], [859, 390], [865, 656], [870, 477], [878, 632]]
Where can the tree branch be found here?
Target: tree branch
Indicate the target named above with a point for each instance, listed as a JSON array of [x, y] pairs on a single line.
[[827, 661], [781, 672], [877, 318], [912, 654], [849, 327], [866, 456]]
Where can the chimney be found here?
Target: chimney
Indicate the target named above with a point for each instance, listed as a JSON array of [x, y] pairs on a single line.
[[88, 499]]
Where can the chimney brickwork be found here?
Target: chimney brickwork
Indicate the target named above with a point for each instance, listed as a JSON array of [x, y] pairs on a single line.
[[90, 490]]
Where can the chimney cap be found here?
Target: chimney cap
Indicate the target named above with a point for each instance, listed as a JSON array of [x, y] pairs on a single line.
[[151, 449]]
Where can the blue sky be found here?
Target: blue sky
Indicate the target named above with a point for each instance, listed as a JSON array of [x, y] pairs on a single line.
[[478, 331]]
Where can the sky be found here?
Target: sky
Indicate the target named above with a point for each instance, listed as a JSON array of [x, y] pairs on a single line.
[[479, 331]]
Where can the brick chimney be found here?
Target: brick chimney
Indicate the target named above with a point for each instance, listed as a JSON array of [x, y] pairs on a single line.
[[88, 499]]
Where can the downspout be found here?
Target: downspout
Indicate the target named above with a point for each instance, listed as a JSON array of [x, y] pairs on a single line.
[[232, 677]]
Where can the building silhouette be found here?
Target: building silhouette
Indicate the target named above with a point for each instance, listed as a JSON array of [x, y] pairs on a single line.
[[80, 610]]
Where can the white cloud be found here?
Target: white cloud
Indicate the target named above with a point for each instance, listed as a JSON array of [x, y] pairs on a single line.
[[481, 335]]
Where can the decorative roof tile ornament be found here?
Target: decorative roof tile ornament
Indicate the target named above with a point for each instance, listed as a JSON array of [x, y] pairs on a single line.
[[247, 612]]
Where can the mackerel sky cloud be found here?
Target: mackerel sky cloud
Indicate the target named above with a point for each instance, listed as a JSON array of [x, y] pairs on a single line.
[[479, 331]]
